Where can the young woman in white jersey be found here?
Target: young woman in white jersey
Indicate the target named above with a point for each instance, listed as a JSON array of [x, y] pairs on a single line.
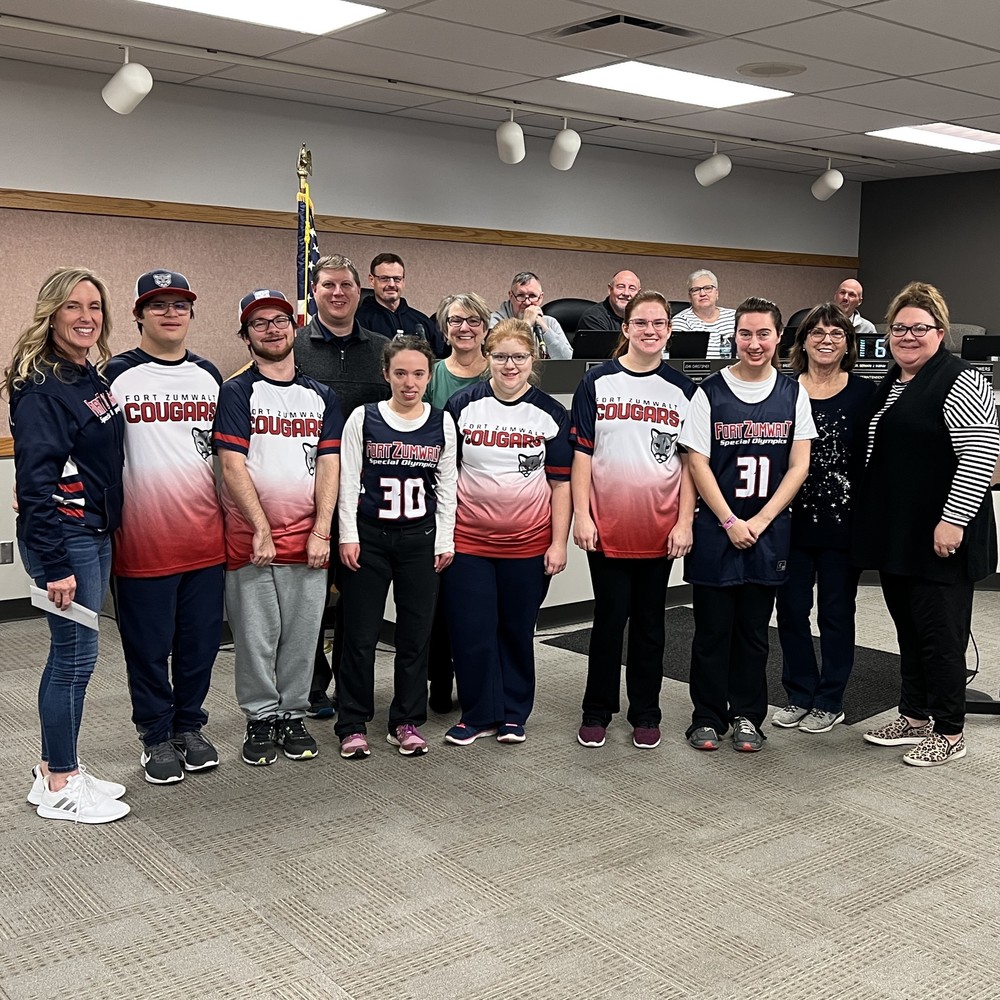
[[633, 502]]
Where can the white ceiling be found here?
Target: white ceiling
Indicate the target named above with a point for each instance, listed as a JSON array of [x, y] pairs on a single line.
[[869, 64]]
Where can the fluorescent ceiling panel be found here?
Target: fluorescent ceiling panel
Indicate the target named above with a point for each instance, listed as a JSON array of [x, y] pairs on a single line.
[[310, 17], [943, 135], [673, 85]]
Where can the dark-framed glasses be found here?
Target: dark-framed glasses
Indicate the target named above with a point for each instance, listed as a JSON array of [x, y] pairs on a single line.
[[917, 329], [473, 322], [518, 359], [700, 289], [260, 324], [817, 336]]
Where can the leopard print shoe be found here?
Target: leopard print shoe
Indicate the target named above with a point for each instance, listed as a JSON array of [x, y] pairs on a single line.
[[899, 733], [935, 750]]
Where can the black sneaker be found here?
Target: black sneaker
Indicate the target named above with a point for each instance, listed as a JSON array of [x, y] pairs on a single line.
[[162, 764], [258, 747], [295, 741], [320, 706], [195, 751]]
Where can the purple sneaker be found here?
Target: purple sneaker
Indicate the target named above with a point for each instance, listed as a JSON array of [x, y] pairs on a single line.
[[462, 734], [646, 737], [407, 737], [354, 746]]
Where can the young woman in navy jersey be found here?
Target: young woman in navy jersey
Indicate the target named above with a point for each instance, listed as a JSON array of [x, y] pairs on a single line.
[[510, 535], [748, 434], [633, 502], [397, 517]]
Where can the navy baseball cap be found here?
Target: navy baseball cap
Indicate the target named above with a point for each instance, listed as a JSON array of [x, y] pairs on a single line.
[[261, 297], [160, 280]]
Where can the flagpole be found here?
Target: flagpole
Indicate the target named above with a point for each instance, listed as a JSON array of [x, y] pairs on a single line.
[[304, 168], [305, 241]]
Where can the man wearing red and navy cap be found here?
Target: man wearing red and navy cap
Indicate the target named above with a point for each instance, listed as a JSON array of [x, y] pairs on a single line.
[[168, 552], [277, 435]]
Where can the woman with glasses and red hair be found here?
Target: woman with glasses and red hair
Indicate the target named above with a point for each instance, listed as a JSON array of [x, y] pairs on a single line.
[[925, 518]]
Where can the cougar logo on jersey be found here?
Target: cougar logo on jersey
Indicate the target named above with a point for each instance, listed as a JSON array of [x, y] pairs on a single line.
[[527, 464], [203, 442], [310, 450], [662, 445]]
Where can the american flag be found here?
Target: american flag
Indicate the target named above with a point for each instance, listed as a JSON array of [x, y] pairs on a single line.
[[307, 254]]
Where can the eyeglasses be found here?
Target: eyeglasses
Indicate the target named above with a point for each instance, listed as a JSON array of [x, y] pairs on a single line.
[[473, 322], [700, 289], [281, 322], [918, 329], [659, 325], [837, 336], [182, 307], [384, 279], [518, 359], [526, 296]]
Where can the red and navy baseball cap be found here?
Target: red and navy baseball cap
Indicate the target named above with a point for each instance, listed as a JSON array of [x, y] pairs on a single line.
[[261, 297], [160, 280]]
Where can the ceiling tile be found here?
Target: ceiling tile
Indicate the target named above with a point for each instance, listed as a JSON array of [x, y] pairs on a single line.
[[973, 21], [304, 95], [748, 126], [330, 53], [527, 17], [893, 48], [913, 97], [831, 114], [723, 56], [462, 43], [973, 79], [720, 18], [964, 162]]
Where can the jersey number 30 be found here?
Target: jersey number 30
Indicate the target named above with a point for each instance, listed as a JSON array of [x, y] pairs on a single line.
[[755, 475], [402, 498]]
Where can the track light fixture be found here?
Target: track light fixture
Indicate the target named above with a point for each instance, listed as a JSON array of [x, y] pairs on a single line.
[[828, 183], [717, 166], [510, 141], [565, 146], [124, 92]]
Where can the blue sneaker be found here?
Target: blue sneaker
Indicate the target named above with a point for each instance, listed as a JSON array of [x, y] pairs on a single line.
[[462, 735], [510, 732]]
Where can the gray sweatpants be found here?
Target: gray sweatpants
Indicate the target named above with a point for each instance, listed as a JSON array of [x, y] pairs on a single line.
[[275, 613]]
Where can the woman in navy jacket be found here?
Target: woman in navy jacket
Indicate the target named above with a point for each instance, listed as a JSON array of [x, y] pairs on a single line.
[[68, 457]]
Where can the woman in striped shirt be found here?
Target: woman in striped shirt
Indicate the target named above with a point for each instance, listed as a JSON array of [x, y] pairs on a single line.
[[925, 519], [706, 314]]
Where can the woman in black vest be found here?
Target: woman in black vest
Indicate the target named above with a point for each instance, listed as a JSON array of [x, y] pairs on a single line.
[[925, 519]]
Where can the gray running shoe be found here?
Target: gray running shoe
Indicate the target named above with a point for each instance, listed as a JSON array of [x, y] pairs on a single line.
[[818, 721], [704, 738], [789, 716]]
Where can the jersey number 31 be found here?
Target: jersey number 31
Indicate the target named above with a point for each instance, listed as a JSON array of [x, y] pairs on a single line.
[[755, 475]]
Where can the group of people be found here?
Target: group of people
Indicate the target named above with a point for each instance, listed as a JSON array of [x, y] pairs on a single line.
[[355, 461]]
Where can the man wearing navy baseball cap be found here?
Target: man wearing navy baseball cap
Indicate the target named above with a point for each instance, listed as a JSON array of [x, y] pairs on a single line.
[[169, 552], [277, 435]]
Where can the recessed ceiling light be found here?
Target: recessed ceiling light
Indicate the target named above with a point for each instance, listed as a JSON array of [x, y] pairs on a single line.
[[943, 135], [311, 17], [673, 85], [770, 69]]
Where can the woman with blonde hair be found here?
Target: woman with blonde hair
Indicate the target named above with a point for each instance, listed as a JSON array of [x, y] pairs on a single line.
[[68, 456]]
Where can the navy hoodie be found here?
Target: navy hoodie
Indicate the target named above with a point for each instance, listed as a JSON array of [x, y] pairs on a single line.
[[68, 456]]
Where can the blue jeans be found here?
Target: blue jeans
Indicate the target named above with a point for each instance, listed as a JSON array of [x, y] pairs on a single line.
[[73, 651]]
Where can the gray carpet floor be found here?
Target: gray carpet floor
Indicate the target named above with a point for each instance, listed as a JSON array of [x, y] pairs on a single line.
[[821, 868]]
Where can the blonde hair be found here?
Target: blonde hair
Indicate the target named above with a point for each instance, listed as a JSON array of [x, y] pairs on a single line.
[[920, 295], [33, 358], [515, 329]]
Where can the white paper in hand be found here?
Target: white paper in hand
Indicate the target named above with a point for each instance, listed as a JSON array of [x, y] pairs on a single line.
[[75, 612]]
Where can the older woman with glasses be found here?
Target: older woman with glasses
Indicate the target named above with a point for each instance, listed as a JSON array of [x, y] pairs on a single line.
[[706, 314], [925, 519], [823, 355]]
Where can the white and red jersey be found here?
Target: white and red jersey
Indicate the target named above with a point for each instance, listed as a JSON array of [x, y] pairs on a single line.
[[171, 518], [629, 422], [282, 428], [508, 452]]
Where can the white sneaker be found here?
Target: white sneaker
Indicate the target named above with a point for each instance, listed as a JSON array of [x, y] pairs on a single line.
[[110, 788], [80, 801]]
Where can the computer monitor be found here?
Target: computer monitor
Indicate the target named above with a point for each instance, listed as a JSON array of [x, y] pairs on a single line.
[[981, 347], [594, 345], [689, 344]]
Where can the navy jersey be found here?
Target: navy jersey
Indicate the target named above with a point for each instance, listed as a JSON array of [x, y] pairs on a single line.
[[399, 468], [750, 448]]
